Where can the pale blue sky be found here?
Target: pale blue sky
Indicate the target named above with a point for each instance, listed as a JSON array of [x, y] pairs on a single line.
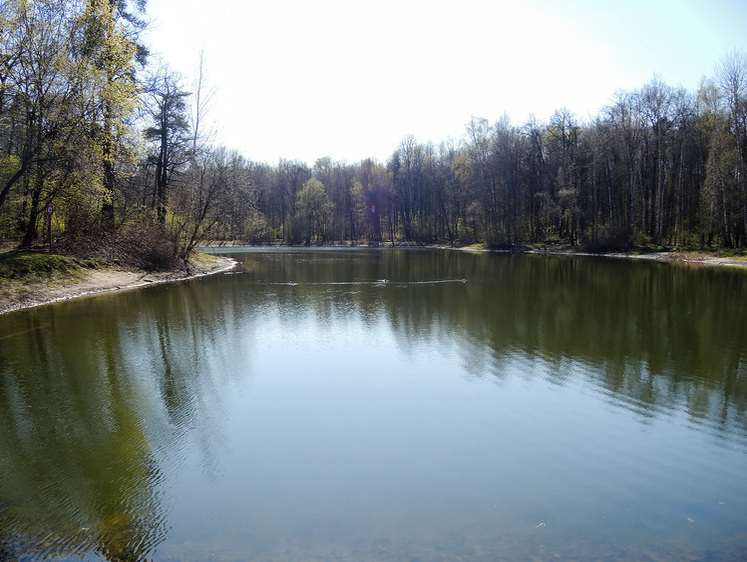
[[346, 79]]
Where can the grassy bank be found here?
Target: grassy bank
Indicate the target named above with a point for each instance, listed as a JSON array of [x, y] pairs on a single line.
[[30, 278], [27, 267]]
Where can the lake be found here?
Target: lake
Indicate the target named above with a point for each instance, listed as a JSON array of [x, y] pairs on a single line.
[[379, 404]]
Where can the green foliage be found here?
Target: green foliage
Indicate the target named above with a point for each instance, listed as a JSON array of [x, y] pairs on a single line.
[[9, 164], [313, 207], [735, 253]]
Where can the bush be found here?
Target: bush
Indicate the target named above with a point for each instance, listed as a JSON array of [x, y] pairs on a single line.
[[617, 240], [146, 247]]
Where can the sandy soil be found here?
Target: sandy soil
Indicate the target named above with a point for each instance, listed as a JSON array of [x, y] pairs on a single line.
[[693, 259], [99, 281], [686, 258]]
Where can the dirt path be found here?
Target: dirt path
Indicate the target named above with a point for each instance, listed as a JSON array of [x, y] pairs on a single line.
[[100, 281]]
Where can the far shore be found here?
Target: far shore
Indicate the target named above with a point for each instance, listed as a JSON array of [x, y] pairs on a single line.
[[683, 258], [108, 280]]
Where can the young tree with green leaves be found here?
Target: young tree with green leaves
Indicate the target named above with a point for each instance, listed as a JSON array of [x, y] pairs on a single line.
[[313, 207], [110, 40]]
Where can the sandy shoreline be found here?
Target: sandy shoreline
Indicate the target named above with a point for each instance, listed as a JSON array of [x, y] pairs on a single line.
[[680, 258], [691, 259], [107, 280], [102, 281]]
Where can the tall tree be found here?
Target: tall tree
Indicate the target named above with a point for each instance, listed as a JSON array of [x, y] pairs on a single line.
[[169, 133], [111, 42], [314, 207], [731, 79], [291, 176]]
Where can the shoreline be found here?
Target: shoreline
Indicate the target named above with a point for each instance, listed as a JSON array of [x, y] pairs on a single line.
[[105, 281], [691, 259], [109, 280]]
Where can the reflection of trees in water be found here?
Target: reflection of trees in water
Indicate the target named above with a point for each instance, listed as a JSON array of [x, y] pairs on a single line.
[[186, 342], [658, 337], [94, 396], [77, 471]]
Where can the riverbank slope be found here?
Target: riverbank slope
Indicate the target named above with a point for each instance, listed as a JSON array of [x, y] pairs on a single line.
[[16, 294]]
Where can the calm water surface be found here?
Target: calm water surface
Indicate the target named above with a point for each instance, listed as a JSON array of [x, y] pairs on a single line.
[[382, 405]]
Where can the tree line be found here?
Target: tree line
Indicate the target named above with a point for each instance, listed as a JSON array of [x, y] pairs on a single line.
[[114, 142], [659, 165]]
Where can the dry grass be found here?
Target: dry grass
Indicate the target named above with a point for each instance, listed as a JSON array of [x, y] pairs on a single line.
[[689, 257]]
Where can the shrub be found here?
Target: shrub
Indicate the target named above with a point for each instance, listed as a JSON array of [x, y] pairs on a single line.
[[145, 247], [617, 240]]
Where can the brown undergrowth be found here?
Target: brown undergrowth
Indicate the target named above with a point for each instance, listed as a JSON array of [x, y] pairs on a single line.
[[689, 257]]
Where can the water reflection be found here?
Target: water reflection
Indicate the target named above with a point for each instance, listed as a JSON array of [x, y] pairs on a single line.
[[77, 470], [102, 400], [657, 336], [97, 397]]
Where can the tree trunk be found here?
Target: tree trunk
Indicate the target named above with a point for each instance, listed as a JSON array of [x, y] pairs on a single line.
[[30, 235]]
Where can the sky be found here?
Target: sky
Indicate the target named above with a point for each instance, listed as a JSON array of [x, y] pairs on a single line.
[[351, 79]]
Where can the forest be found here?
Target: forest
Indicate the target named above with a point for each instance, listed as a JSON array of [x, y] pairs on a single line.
[[102, 148]]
